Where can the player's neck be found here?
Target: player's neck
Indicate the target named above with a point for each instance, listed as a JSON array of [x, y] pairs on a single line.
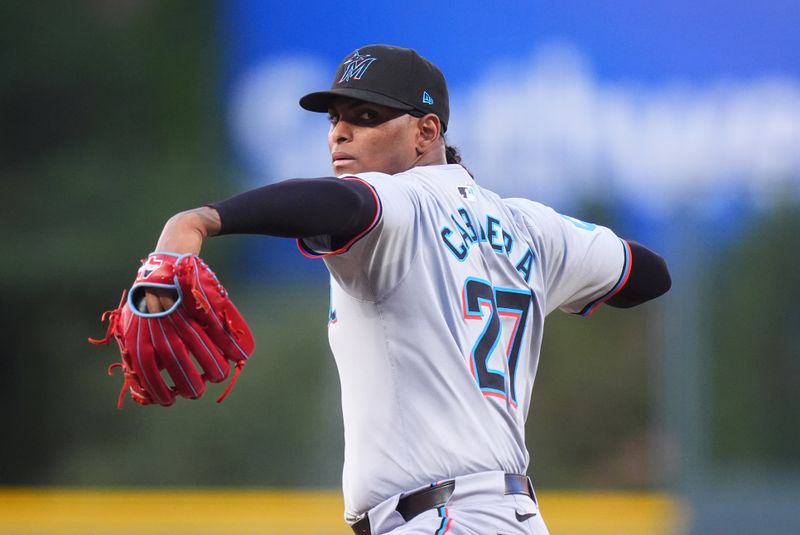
[[435, 156]]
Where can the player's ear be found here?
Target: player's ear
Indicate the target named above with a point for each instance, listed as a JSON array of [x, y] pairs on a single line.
[[429, 129]]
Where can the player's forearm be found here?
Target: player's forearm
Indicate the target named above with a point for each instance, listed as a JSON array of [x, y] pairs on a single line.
[[301, 208], [184, 232]]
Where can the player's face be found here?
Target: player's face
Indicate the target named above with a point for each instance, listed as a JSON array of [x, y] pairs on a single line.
[[370, 137]]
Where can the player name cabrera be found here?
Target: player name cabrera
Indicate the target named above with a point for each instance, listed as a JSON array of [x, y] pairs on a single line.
[[459, 242]]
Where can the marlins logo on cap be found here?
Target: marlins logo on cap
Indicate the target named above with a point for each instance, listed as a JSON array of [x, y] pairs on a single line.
[[356, 66]]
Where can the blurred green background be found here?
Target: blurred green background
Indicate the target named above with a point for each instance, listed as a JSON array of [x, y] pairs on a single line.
[[112, 121]]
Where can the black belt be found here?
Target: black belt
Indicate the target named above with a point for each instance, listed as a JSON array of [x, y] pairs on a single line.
[[436, 496]]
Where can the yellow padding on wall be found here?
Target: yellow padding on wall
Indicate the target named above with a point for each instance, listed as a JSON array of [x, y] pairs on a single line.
[[25, 511], [612, 513]]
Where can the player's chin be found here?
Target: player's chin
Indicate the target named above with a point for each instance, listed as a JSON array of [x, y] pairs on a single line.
[[346, 167]]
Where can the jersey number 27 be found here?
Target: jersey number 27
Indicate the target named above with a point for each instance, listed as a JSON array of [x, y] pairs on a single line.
[[480, 299]]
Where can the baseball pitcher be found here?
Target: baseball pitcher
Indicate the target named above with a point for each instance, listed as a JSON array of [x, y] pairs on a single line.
[[440, 289]]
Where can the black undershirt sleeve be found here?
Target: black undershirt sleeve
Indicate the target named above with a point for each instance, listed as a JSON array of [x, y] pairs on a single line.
[[301, 208], [649, 278]]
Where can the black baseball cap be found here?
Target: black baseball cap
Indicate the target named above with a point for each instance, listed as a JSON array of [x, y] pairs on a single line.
[[388, 75]]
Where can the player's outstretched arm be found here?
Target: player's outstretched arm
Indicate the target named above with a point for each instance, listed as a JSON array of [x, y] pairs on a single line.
[[649, 278], [297, 208]]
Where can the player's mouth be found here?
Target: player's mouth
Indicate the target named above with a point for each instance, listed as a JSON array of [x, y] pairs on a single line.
[[341, 159]]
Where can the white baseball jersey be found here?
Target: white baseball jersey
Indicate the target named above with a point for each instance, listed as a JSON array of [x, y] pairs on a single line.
[[436, 324]]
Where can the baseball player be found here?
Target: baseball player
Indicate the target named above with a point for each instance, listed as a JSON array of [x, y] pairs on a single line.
[[440, 289]]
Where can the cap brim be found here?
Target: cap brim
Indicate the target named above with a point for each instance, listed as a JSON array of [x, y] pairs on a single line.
[[320, 100]]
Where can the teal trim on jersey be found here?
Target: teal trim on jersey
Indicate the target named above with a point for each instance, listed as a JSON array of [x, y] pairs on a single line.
[[483, 238], [495, 310], [589, 309], [525, 266], [492, 232], [492, 305], [508, 242], [580, 224], [466, 236], [468, 222], [512, 308], [513, 302], [515, 338], [444, 526], [469, 235], [478, 314], [460, 253], [494, 229]]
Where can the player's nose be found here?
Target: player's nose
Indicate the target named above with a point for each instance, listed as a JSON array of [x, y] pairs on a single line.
[[341, 132]]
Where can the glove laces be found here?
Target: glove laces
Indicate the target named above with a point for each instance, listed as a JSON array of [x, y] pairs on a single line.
[[113, 319], [239, 365]]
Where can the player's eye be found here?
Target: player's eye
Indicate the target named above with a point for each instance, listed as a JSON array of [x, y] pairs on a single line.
[[333, 118], [367, 117]]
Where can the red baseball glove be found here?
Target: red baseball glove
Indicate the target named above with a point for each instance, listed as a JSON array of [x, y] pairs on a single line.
[[203, 323]]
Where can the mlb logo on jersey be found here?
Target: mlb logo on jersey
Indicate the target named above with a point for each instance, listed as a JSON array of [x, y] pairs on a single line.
[[467, 192], [356, 66]]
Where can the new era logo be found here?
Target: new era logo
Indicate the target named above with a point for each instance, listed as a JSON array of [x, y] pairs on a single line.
[[426, 98]]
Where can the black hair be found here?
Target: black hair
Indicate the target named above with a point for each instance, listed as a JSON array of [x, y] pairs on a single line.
[[453, 155]]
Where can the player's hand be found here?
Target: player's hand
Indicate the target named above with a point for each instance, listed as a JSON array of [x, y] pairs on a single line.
[[159, 299], [182, 234]]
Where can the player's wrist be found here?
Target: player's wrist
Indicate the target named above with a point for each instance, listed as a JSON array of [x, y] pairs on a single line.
[[184, 232]]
